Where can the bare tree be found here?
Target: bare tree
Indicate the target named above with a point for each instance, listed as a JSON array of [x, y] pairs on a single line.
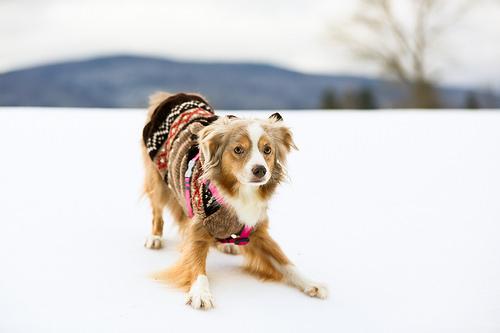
[[402, 46]]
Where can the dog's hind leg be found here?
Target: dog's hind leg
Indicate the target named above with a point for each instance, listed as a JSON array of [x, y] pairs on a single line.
[[154, 241], [158, 194], [266, 260]]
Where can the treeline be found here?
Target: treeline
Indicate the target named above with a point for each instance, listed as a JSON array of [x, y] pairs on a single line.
[[365, 99], [362, 99]]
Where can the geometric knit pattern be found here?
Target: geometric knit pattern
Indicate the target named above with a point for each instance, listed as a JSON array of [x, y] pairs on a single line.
[[168, 121], [155, 141], [180, 124]]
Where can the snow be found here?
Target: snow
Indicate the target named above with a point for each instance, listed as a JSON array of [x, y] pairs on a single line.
[[397, 211]]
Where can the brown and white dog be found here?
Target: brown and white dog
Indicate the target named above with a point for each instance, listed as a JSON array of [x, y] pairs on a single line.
[[216, 175]]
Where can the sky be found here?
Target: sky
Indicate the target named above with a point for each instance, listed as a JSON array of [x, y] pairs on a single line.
[[294, 34]]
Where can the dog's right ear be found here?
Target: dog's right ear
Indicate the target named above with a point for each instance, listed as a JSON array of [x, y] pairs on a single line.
[[209, 141]]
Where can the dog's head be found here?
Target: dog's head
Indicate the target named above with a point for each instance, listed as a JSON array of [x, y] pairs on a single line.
[[248, 152]]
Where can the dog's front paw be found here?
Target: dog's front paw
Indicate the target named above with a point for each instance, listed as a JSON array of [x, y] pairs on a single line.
[[153, 242], [199, 296], [204, 301], [317, 290], [228, 248]]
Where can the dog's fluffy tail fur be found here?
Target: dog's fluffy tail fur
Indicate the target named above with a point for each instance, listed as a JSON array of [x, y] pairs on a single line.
[[156, 99]]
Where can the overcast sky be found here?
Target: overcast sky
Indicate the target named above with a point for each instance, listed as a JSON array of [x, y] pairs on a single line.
[[289, 33]]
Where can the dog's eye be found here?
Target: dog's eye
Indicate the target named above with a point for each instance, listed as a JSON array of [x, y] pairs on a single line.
[[238, 150], [267, 150]]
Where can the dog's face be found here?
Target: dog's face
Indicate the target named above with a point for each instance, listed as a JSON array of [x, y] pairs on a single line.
[[250, 156], [247, 152]]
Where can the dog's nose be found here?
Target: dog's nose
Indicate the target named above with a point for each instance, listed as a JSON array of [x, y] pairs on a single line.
[[259, 171]]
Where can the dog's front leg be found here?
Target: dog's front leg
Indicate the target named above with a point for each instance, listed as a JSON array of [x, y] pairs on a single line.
[[294, 277], [266, 254], [189, 272], [199, 296], [192, 264]]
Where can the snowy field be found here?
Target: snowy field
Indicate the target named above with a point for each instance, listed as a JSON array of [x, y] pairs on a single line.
[[398, 212]]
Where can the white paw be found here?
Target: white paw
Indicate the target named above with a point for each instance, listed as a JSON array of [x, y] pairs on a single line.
[[204, 301], [317, 290], [153, 242], [199, 296]]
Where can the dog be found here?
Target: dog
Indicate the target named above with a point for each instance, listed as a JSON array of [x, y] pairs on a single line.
[[216, 176]]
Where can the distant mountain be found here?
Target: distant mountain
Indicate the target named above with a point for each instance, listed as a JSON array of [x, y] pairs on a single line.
[[127, 81]]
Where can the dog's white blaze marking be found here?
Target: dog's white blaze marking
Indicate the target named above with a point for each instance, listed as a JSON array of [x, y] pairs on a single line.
[[249, 208], [255, 130], [247, 204], [297, 279], [199, 295]]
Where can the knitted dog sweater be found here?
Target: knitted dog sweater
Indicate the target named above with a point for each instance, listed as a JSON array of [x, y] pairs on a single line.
[[171, 140]]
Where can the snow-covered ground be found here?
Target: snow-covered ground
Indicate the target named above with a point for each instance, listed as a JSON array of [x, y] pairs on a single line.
[[398, 212]]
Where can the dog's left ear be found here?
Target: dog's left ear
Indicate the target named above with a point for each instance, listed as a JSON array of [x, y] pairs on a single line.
[[282, 137], [276, 117], [282, 134], [286, 139]]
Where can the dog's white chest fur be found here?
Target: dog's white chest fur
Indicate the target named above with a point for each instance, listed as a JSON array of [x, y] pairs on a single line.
[[248, 207]]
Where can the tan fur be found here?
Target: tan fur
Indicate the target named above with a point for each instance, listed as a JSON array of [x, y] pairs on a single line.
[[192, 260], [258, 254], [217, 142]]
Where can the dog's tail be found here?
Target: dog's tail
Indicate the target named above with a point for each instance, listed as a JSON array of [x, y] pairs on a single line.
[[152, 176], [156, 99]]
